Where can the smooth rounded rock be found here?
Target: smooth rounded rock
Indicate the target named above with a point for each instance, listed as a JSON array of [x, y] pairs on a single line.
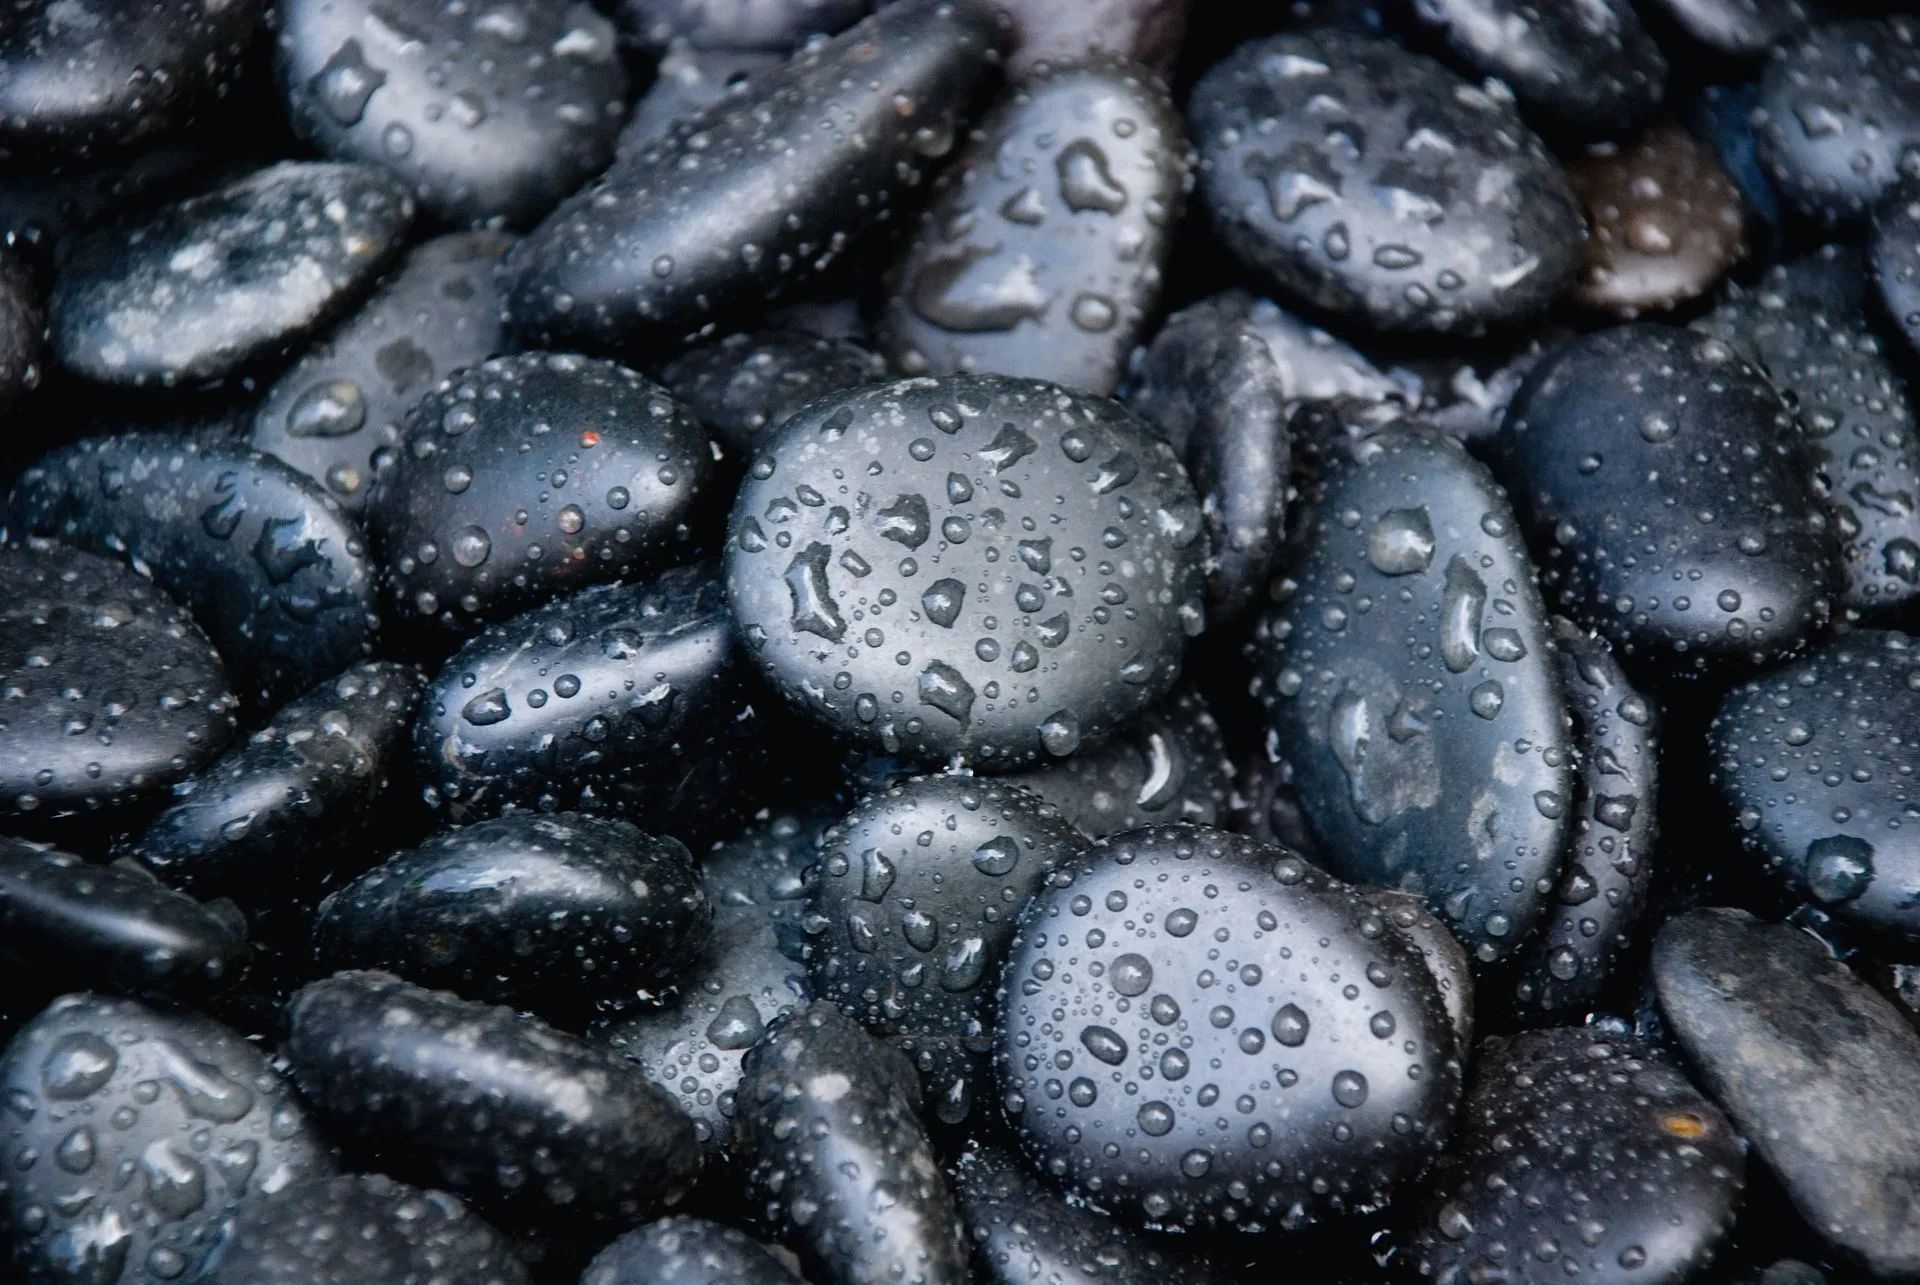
[[910, 912], [1604, 884], [357, 1229], [1896, 260], [747, 385], [624, 700], [1736, 28], [265, 561], [543, 912], [486, 111], [500, 1108], [839, 1161], [286, 806], [1660, 475], [686, 231], [1371, 182], [204, 288], [995, 569], [1408, 675], [774, 26], [338, 408], [1042, 250], [150, 1128], [1838, 114], [1314, 364], [686, 1251], [688, 80], [1045, 32], [1199, 1029], [22, 330], [1567, 1125], [110, 691], [1815, 762], [1819, 1072], [531, 476], [108, 927], [1664, 222]]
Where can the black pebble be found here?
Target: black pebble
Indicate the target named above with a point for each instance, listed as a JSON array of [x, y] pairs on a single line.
[[500, 1108], [686, 1251], [1201, 1030], [626, 700], [907, 567], [1896, 259], [1042, 251], [1445, 957], [150, 1128], [1373, 183], [109, 927], [771, 26], [360, 1229], [338, 408], [529, 476], [1408, 676], [487, 111], [838, 1157], [267, 563], [112, 692], [204, 288], [747, 385], [1581, 1156], [543, 912], [22, 329], [683, 233], [1667, 492], [687, 80]]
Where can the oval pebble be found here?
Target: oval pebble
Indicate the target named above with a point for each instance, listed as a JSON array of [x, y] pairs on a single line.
[[1814, 760], [1580, 66], [1896, 260], [1199, 1029], [1169, 764], [1581, 1156], [1211, 385], [683, 231], [949, 599], [1372, 183], [109, 927], [287, 806], [1821, 1075], [774, 26], [201, 289], [500, 1108], [747, 385], [1042, 250], [111, 692], [78, 82], [265, 561], [487, 111], [623, 700], [1446, 959], [839, 1160], [1603, 887], [1045, 32], [337, 409], [150, 1129], [752, 971], [530, 476], [686, 1251], [1314, 364], [22, 329], [687, 80], [1838, 114], [1661, 477], [357, 1229], [1408, 673], [910, 911], [1665, 223], [1737, 28], [541, 912]]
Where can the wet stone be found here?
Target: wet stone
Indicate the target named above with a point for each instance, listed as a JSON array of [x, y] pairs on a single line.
[[747, 385], [1896, 260], [1147, 31], [1736, 28], [22, 323], [686, 1251], [1445, 958], [687, 80], [770, 26]]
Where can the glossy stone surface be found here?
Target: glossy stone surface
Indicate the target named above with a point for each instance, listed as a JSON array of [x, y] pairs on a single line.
[[1664, 222], [686, 1251], [747, 385]]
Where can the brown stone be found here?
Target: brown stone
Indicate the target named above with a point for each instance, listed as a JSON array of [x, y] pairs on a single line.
[[1665, 222]]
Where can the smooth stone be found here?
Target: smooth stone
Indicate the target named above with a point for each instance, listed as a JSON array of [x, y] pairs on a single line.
[[1428, 732], [1820, 1073], [487, 112], [947, 599], [112, 692], [263, 558], [532, 476], [771, 26], [1046, 32], [201, 289], [500, 1108], [1371, 182], [686, 1251], [1722, 118], [1896, 260], [340, 407], [1314, 364], [1736, 28], [552, 913], [1667, 492], [22, 329], [688, 80], [1043, 247], [685, 233], [1445, 957], [747, 385]]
